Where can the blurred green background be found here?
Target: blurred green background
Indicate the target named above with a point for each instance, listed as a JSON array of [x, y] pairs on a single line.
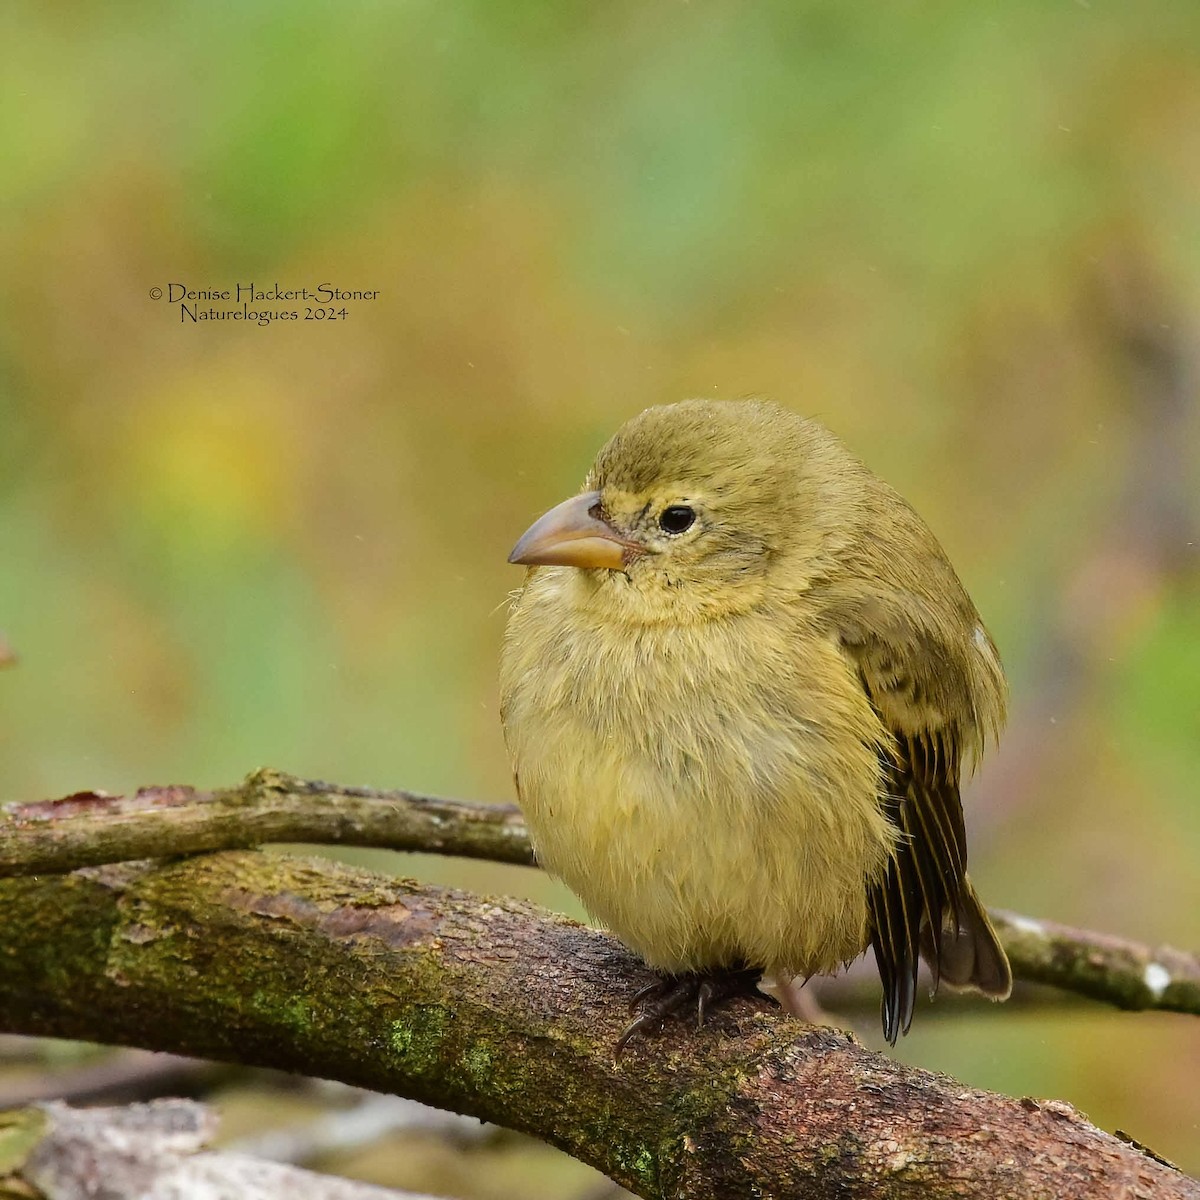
[[966, 237]]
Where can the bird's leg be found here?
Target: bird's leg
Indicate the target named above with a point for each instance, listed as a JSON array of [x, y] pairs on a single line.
[[671, 995], [798, 999]]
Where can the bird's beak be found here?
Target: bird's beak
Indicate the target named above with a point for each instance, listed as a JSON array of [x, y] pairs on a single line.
[[569, 535]]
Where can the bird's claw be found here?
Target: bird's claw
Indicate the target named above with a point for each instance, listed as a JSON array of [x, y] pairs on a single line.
[[655, 985], [668, 997]]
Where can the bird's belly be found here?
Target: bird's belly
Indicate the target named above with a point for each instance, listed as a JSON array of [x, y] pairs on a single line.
[[689, 884], [734, 835]]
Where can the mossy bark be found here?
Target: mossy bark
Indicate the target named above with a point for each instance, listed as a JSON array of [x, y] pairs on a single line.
[[270, 806], [495, 1008]]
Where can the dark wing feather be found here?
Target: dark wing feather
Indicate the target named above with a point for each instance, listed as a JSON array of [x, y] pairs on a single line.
[[924, 882], [932, 697]]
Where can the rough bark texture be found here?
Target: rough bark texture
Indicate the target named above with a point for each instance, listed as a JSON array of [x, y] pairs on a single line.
[[90, 828], [497, 1009]]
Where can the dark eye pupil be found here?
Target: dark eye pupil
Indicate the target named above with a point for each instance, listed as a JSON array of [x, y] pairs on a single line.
[[676, 519]]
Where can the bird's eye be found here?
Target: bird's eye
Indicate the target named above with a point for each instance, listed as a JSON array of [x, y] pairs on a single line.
[[677, 518]]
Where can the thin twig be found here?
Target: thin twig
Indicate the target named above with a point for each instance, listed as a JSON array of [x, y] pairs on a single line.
[[93, 828], [125, 1076]]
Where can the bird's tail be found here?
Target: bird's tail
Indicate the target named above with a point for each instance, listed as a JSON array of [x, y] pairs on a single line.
[[970, 954]]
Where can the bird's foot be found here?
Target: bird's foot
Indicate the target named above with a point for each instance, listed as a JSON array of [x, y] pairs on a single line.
[[674, 994]]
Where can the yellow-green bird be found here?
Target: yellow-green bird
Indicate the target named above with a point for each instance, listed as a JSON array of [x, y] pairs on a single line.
[[738, 688]]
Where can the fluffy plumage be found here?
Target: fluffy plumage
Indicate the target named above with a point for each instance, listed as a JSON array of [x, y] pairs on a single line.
[[742, 743]]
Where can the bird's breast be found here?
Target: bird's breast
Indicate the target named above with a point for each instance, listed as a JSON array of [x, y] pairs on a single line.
[[709, 791]]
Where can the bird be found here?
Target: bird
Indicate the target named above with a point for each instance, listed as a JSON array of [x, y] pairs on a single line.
[[739, 687]]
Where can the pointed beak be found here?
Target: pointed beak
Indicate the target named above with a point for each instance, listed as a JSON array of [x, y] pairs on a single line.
[[570, 535]]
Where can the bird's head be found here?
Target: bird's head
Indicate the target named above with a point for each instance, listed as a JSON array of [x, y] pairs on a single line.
[[697, 507]]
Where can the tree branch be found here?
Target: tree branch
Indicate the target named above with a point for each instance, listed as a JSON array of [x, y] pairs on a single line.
[[1114, 970], [155, 1149], [92, 828], [89, 829], [500, 1010]]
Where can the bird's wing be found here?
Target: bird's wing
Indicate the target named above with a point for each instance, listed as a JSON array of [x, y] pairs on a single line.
[[937, 686]]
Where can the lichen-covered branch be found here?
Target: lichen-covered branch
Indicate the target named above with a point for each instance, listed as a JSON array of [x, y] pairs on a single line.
[[502, 1011], [92, 828], [1123, 973], [89, 829]]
